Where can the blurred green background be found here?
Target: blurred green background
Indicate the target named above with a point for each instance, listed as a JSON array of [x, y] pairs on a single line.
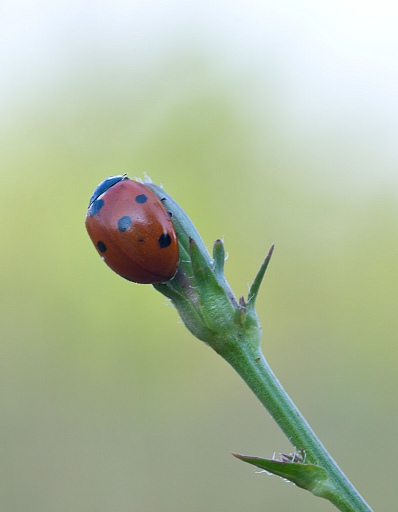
[[268, 122]]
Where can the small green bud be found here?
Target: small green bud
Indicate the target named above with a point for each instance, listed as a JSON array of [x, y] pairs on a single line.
[[199, 290]]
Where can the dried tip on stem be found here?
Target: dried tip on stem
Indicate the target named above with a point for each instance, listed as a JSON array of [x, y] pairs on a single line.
[[271, 250]]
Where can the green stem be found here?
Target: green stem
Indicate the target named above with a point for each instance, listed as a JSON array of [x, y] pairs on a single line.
[[210, 311], [251, 365]]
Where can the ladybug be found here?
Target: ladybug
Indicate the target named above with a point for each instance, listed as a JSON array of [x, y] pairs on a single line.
[[132, 231]]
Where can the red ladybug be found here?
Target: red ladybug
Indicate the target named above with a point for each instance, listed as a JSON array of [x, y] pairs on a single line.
[[132, 231]]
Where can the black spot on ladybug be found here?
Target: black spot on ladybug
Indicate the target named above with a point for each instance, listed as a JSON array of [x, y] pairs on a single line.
[[141, 240], [124, 223], [142, 198], [96, 207], [101, 246], [164, 240]]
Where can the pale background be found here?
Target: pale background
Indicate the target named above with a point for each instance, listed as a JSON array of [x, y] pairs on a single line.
[[269, 122]]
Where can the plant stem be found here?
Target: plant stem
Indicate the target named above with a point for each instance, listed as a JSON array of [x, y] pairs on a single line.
[[251, 365], [210, 311]]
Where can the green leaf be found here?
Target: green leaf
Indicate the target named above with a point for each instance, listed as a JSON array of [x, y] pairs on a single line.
[[255, 287], [308, 476]]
